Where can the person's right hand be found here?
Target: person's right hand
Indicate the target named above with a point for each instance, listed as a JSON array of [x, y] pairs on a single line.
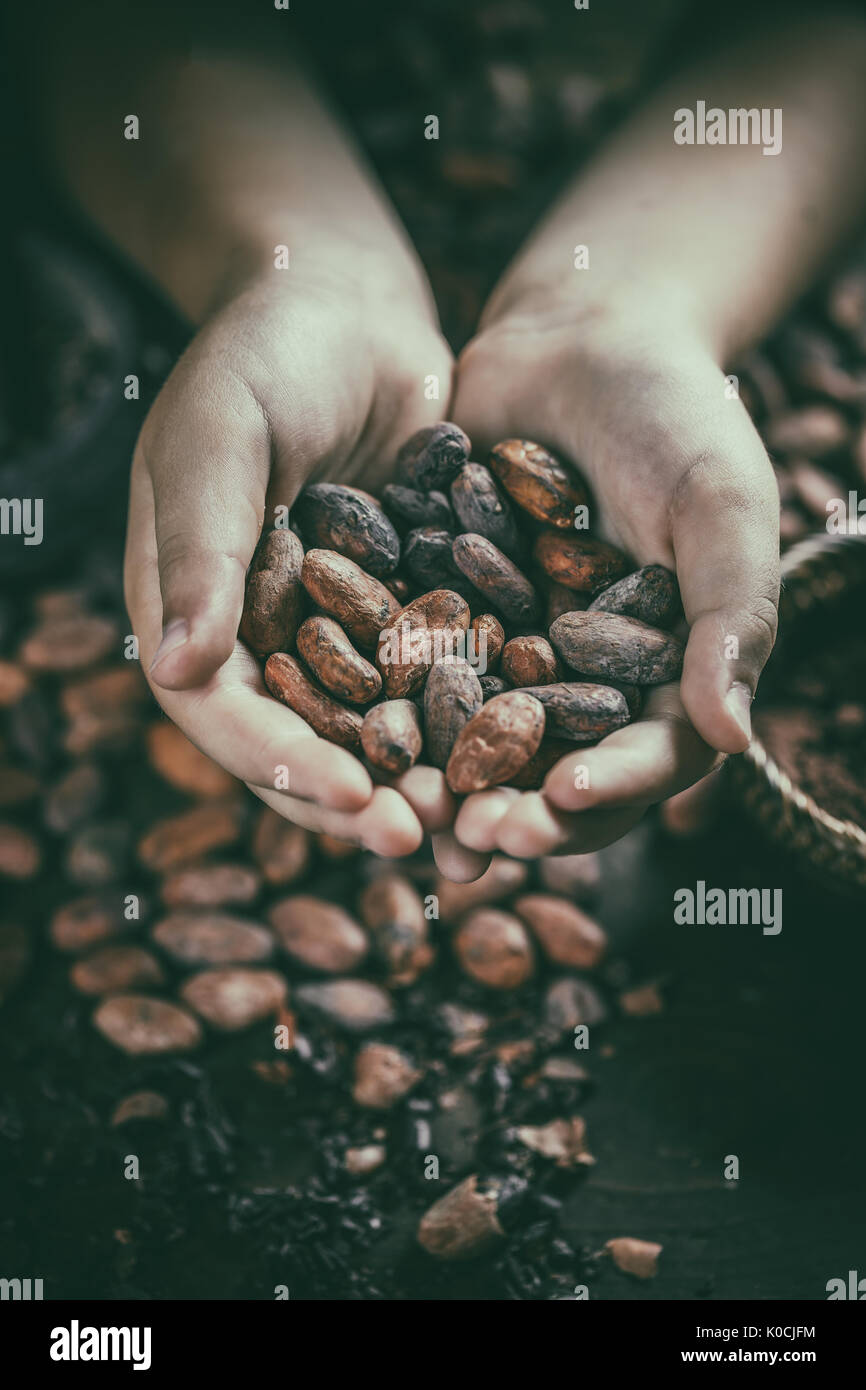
[[282, 384]]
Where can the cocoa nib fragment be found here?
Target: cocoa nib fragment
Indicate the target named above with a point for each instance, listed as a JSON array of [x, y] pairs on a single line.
[[342, 519], [433, 456], [463, 1223], [610, 646]]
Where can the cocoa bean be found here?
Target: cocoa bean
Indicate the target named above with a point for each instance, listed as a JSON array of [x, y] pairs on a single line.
[[428, 558], [569, 1002], [568, 936], [497, 578], [581, 711], [452, 696], [103, 710], [530, 661], [98, 854], [68, 643], [815, 432], [281, 850], [492, 685], [399, 588], [340, 518], [141, 1026], [531, 776], [14, 682], [496, 743], [355, 1005], [432, 456], [287, 679], [383, 1076], [183, 765], [335, 663], [274, 596], [409, 509], [538, 482], [607, 645], [426, 629], [319, 934], [488, 642], [650, 594], [211, 885], [577, 876], [816, 489], [140, 1105], [561, 1140], [637, 1257], [392, 910], [20, 853], [116, 968], [88, 921], [500, 879], [79, 793], [391, 735], [184, 838], [561, 600], [231, 998], [579, 562], [463, 1223], [364, 1159], [482, 510], [342, 589], [212, 938], [493, 947]]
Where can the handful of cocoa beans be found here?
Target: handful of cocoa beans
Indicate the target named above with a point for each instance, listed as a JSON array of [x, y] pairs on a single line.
[[465, 616]]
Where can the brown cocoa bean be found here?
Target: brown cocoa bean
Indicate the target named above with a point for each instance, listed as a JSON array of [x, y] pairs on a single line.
[[569, 1003], [103, 710], [482, 510], [815, 488], [335, 663], [319, 934], [392, 910], [355, 1005], [493, 947], [607, 645], [212, 938], [815, 432], [79, 793], [538, 483], [20, 853], [561, 600], [496, 743], [184, 766], [340, 518], [139, 1105], [427, 629], [287, 679], [427, 556], [68, 643], [14, 682], [463, 1223], [281, 850], [650, 594], [116, 968], [531, 776], [500, 879], [383, 1076], [231, 998], [409, 509], [580, 562], [98, 854], [399, 588], [432, 456], [274, 596], [141, 1026], [576, 876], [342, 589], [497, 578], [391, 736], [581, 711], [530, 661], [487, 643], [492, 685], [184, 838], [88, 921], [211, 885], [567, 935], [452, 696], [636, 1257]]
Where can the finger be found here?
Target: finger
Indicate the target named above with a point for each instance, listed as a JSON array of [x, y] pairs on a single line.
[[479, 816], [657, 756], [386, 826], [428, 794], [726, 539], [455, 862], [207, 452], [533, 828]]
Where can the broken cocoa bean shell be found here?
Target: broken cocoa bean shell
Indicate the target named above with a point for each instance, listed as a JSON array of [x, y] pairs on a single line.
[[581, 711], [391, 735], [425, 630], [274, 596], [452, 696], [342, 519], [538, 482], [497, 578], [343, 590], [650, 594], [287, 679], [496, 743], [335, 663], [433, 456], [580, 562], [608, 645]]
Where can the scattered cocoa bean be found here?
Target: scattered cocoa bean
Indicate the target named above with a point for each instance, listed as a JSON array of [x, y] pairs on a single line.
[[488, 642], [342, 519], [212, 938], [569, 1002], [482, 510], [562, 1140], [581, 711], [815, 432], [816, 489], [274, 596], [356, 1005], [211, 885], [287, 679], [463, 1223], [74, 798], [428, 558], [103, 710], [493, 947], [98, 854], [642, 1001], [433, 456], [608, 645], [383, 1076], [637, 1257], [538, 482], [530, 661], [14, 682], [115, 968], [140, 1105], [392, 910], [421, 633], [335, 663], [497, 578], [409, 509], [281, 850], [319, 934], [391, 735], [68, 643], [561, 600], [183, 765], [184, 838], [231, 998], [650, 594], [452, 696], [342, 589], [87, 921], [496, 743], [568, 936], [20, 853], [579, 562], [574, 875], [142, 1026]]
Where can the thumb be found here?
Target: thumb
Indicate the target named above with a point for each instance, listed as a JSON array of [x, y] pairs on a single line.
[[725, 531], [207, 450]]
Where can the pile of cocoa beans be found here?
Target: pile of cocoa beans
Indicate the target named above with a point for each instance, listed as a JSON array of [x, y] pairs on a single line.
[[466, 617]]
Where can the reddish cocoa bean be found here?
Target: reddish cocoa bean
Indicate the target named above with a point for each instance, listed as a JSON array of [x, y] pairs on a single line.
[[342, 589], [392, 910], [212, 938], [399, 588], [103, 710], [116, 968], [530, 661], [496, 743], [427, 629], [493, 947], [609, 646], [487, 643], [650, 594], [185, 838], [231, 998], [581, 711], [141, 1026], [20, 853], [68, 643], [281, 850], [335, 663], [497, 578], [391, 735], [561, 600], [319, 934], [183, 765], [88, 921], [287, 679], [538, 482], [342, 519], [211, 885], [274, 596], [14, 682], [579, 562], [452, 696], [568, 936]]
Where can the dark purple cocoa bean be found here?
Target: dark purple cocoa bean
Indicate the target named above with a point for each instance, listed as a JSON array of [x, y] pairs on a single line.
[[482, 509], [581, 711], [608, 646], [409, 509], [433, 456], [340, 518], [650, 594]]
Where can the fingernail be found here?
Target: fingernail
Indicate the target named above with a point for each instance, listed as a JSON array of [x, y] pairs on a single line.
[[739, 704], [173, 637]]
